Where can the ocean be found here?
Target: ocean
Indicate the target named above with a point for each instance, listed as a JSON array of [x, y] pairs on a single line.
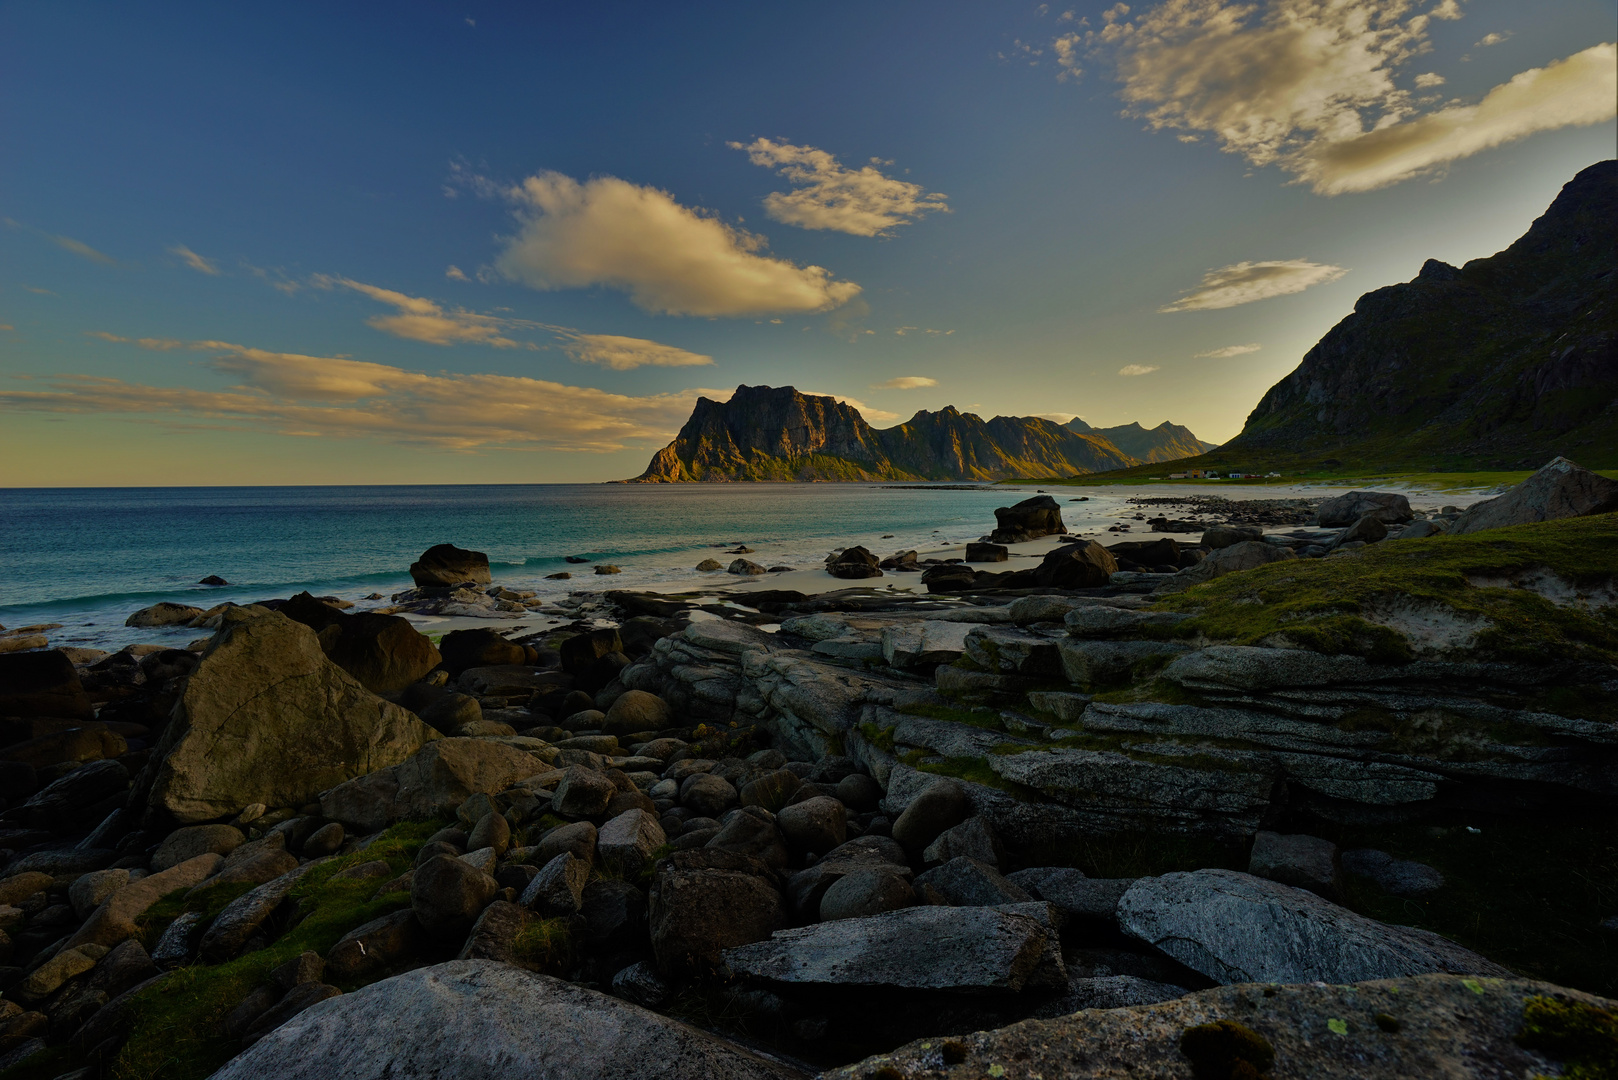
[[88, 557]]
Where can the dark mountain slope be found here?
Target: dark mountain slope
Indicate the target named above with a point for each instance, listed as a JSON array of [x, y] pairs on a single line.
[[1165, 442]]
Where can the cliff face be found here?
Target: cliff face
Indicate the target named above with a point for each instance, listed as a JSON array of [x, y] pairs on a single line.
[[1503, 363], [765, 433], [1165, 442]]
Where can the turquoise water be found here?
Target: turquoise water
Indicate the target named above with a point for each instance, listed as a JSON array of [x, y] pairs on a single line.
[[87, 557]]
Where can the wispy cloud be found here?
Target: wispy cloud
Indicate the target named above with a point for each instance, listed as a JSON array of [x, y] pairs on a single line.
[[905, 382], [669, 258], [420, 319], [861, 202], [1227, 351], [1309, 86], [66, 243], [1246, 282], [1137, 369], [195, 261], [623, 353], [455, 273], [1494, 38], [339, 397]]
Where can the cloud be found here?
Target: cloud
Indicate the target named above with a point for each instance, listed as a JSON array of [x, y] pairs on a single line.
[[80, 248], [1066, 48], [1493, 39], [905, 382], [861, 202], [1308, 86], [420, 319], [623, 353], [1245, 282], [1137, 369], [455, 273], [1581, 90], [667, 257], [1227, 351], [1430, 79], [338, 397], [195, 261]]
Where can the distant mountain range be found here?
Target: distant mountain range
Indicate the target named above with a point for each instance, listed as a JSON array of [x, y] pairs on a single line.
[[777, 433], [1505, 362], [1165, 442]]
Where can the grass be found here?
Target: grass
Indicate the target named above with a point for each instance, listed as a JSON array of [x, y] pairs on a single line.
[[175, 1032], [1323, 604], [545, 945]]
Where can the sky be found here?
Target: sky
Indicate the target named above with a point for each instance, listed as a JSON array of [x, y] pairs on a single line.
[[513, 243]]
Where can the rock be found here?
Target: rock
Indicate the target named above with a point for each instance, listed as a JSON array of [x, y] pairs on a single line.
[[1427, 1026], [214, 580], [295, 723], [188, 843], [980, 552], [752, 831], [703, 902], [1027, 520], [1084, 565], [447, 894], [446, 564], [973, 838], [1420, 530], [558, 888], [472, 1019], [854, 563], [1221, 536], [434, 780], [924, 644], [1307, 862], [298, 999], [89, 890], [491, 831], [1558, 490], [577, 839], [240, 920], [179, 941], [48, 977], [966, 882], [1388, 507], [384, 652], [1396, 877], [707, 565], [859, 792], [1111, 623], [607, 568], [818, 824], [744, 566], [636, 710], [114, 920], [1237, 557], [1099, 663], [918, 948], [496, 934], [306, 967], [707, 795], [42, 684], [378, 946], [772, 790], [466, 649], [614, 915], [1234, 927], [942, 805], [163, 614], [327, 840], [1079, 897], [582, 792], [866, 891], [625, 844], [1108, 992], [71, 745], [1367, 530], [640, 984], [17, 887]]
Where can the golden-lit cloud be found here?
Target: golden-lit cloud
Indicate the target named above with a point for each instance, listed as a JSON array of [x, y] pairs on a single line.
[[669, 258], [1246, 282], [338, 397], [1312, 86], [1137, 369], [623, 353], [420, 319], [905, 382], [827, 195], [195, 261], [1227, 351]]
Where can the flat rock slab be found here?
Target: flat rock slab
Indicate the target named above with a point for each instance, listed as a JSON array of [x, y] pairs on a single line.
[[475, 1019], [1236, 928], [921, 948], [1447, 1026]]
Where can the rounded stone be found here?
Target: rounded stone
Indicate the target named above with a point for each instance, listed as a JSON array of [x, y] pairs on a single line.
[[816, 825], [325, 840], [636, 710], [943, 805], [707, 795], [866, 892], [858, 792]]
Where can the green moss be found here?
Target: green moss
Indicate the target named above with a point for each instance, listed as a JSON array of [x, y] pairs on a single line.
[[977, 771], [175, 1033], [1582, 1037], [1322, 604], [881, 738], [544, 945], [51, 1063]]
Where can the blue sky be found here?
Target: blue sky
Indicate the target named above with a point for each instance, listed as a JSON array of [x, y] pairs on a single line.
[[424, 242]]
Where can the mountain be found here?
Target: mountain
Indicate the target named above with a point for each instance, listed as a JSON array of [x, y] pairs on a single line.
[[1505, 362], [1165, 442], [777, 433]]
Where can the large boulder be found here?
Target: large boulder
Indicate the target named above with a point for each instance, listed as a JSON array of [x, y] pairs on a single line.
[[635, 711], [1560, 489], [855, 562], [446, 564], [447, 894], [42, 684], [704, 902], [435, 780], [971, 949], [463, 649], [1076, 566], [384, 652], [114, 920], [1028, 520], [164, 613], [267, 718], [1389, 507], [1236, 928], [1244, 556], [474, 1019]]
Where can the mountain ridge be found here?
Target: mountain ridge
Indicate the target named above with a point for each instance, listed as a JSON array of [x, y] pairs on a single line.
[[765, 433], [1166, 442]]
